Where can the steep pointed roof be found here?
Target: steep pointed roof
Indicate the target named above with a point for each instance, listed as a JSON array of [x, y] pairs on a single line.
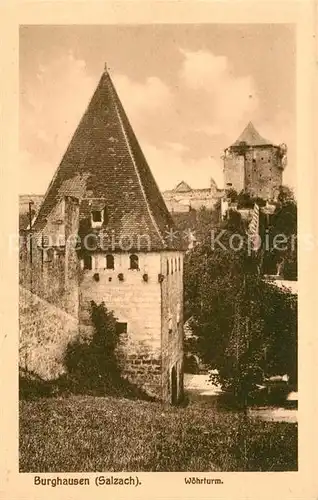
[[104, 161], [251, 137], [182, 187]]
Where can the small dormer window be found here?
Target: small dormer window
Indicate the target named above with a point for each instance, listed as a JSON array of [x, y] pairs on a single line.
[[97, 218], [98, 213]]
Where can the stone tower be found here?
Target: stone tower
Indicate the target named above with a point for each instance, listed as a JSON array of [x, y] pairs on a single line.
[[129, 255], [254, 164]]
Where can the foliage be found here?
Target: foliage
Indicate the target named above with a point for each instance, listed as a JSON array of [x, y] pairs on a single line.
[[245, 327], [232, 195], [282, 236], [92, 361], [198, 222], [245, 200], [89, 434], [32, 386]]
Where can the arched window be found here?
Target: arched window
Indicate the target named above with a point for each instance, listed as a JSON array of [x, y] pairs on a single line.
[[167, 267], [179, 261], [171, 266], [175, 264], [110, 261], [134, 261]]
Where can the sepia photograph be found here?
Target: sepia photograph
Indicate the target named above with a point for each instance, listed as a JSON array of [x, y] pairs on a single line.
[[158, 249]]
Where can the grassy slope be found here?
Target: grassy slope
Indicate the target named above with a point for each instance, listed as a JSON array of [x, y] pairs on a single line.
[[108, 434]]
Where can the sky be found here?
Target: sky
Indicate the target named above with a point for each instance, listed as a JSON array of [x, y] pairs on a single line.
[[188, 90]]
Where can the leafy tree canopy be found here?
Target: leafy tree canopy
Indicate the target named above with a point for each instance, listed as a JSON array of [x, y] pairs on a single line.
[[246, 327]]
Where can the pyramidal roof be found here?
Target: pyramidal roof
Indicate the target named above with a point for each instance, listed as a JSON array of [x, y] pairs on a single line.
[[182, 187], [104, 161], [251, 137]]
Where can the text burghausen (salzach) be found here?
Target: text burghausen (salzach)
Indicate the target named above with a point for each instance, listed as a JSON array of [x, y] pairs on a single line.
[[85, 481]]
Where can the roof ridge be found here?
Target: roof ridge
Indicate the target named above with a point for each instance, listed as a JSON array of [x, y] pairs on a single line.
[[133, 160], [61, 163], [104, 159], [251, 136]]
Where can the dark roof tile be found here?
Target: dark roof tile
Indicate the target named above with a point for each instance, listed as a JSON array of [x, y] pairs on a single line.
[[104, 160]]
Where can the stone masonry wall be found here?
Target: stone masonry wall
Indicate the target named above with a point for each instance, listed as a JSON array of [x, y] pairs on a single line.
[[135, 302], [172, 323], [260, 173], [45, 331], [54, 266], [234, 173], [263, 172]]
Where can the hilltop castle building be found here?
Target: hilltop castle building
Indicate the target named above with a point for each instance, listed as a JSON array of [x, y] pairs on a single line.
[[254, 165], [251, 164], [183, 198], [104, 198]]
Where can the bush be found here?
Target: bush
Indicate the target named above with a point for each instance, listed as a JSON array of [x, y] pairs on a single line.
[[31, 386], [91, 363]]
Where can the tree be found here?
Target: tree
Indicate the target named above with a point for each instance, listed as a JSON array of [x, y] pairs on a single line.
[[232, 195], [282, 236], [245, 327]]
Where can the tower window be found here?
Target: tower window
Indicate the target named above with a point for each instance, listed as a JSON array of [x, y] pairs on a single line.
[[110, 262], [121, 328], [175, 264], [88, 262], [167, 266], [98, 213], [96, 216], [179, 261], [134, 262], [171, 266]]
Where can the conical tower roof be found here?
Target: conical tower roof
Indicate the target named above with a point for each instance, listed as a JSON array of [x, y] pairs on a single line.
[[104, 161], [251, 137]]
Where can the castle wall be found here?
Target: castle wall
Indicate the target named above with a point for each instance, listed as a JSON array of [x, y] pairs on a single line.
[[195, 199], [45, 331], [71, 272], [49, 300], [54, 264]]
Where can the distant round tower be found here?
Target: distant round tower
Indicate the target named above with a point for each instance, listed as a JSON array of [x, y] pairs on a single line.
[[254, 164]]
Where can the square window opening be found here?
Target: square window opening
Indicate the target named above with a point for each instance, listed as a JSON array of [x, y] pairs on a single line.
[[121, 328], [96, 216]]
